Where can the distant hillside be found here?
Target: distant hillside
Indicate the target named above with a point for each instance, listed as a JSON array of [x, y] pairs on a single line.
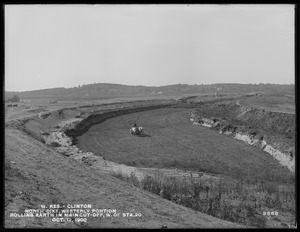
[[104, 90]]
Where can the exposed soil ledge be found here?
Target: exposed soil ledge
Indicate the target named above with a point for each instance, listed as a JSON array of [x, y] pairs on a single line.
[[273, 132]]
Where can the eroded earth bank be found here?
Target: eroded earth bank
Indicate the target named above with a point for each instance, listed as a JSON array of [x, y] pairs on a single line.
[[273, 132]]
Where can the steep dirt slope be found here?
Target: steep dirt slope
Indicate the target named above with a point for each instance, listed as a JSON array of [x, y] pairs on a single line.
[[46, 177]]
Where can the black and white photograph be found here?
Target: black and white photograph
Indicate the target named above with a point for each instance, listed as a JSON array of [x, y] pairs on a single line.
[[155, 116]]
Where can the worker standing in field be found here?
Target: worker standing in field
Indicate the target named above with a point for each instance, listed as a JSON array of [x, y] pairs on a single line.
[[135, 128]]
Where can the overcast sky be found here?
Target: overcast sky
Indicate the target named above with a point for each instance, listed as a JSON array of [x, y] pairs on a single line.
[[48, 46]]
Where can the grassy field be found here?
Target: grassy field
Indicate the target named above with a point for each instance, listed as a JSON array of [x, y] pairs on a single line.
[[274, 103]]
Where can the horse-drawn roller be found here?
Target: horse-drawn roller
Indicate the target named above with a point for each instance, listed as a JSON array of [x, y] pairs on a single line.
[[136, 130]]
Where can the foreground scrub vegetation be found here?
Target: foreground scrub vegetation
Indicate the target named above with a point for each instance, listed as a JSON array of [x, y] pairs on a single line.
[[237, 202]]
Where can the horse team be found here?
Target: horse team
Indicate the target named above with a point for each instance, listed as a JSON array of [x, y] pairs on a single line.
[[136, 130], [12, 105]]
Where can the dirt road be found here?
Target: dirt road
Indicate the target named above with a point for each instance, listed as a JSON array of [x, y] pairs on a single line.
[[172, 141]]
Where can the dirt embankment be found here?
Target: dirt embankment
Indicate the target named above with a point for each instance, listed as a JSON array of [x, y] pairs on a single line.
[[274, 132], [44, 123], [97, 117]]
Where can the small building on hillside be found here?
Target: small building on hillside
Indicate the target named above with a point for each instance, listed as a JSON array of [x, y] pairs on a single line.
[[254, 94], [181, 100]]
